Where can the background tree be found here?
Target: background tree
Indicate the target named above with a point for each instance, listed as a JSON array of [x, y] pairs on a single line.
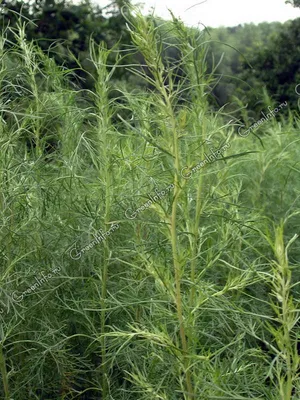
[[277, 67], [295, 3]]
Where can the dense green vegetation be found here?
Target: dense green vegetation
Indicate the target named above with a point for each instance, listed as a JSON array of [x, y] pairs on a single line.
[[149, 246], [244, 59]]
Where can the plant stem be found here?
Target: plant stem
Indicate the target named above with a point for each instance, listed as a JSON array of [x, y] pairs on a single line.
[[104, 123], [4, 374], [177, 267], [196, 230], [286, 314]]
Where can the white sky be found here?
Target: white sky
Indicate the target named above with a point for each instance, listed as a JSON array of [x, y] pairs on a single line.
[[221, 12]]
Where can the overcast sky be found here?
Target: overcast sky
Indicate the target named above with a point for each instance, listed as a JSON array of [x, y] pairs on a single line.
[[221, 12]]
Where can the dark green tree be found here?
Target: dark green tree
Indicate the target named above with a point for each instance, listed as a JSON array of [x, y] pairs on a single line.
[[295, 3], [277, 67]]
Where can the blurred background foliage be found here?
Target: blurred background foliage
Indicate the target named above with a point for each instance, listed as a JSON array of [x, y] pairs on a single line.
[[249, 61]]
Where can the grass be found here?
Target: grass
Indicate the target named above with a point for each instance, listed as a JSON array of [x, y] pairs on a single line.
[[195, 296]]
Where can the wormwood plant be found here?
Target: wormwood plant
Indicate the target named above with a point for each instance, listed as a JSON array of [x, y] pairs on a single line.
[[179, 135], [144, 36], [103, 160], [30, 207], [286, 363], [184, 300]]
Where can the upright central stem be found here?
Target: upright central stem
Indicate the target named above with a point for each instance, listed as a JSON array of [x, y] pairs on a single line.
[[176, 261], [177, 269], [104, 128]]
